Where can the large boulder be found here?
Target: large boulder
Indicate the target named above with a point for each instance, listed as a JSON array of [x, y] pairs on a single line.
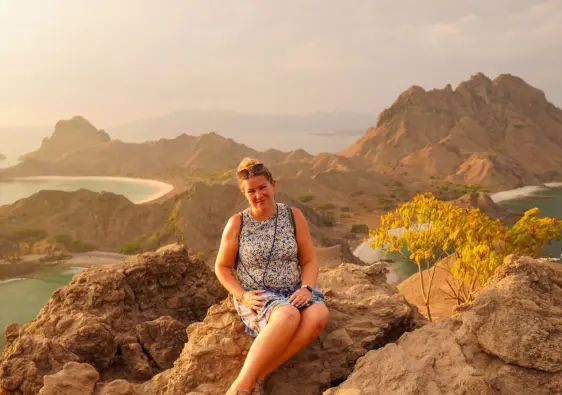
[[508, 341], [365, 313], [127, 320]]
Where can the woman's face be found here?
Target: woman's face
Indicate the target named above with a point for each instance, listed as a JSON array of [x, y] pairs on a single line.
[[259, 191]]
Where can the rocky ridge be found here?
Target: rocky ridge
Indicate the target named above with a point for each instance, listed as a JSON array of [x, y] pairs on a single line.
[[508, 341], [114, 327], [497, 133], [126, 320]]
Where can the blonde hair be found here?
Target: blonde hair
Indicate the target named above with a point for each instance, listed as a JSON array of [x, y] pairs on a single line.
[[247, 163]]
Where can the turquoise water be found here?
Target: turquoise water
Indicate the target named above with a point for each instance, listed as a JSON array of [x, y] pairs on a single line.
[[551, 207], [21, 299], [13, 190]]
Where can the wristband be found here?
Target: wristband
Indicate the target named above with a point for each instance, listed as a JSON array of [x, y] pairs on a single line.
[[307, 287]]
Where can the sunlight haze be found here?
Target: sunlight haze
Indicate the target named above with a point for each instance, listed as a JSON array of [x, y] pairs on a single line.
[[119, 61]]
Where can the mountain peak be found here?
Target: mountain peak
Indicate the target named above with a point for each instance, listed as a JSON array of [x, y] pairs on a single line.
[[494, 133], [69, 135]]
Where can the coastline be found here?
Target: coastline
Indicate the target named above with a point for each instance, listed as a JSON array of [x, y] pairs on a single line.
[[162, 188], [525, 191], [31, 264]]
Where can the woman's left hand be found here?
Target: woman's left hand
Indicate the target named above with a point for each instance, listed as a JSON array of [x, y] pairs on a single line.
[[301, 297]]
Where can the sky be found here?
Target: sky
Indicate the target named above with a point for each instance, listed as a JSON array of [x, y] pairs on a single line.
[[117, 61]]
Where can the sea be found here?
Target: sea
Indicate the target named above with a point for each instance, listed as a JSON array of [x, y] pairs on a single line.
[[133, 189], [22, 298]]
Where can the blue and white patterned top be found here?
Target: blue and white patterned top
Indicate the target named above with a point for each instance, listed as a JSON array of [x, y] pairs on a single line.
[[256, 238]]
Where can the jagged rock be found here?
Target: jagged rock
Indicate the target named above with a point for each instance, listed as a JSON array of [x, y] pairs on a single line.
[[135, 361], [100, 311], [506, 342], [163, 339], [365, 313], [73, 379], [519, 319]]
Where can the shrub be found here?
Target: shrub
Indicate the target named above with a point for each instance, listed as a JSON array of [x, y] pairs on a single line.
[[30, 235], [359, 228], [327, 220], [130, 249], [434, 230], [306, 197], [73, 245]]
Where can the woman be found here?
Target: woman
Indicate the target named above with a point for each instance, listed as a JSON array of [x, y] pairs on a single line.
[[266, 261]]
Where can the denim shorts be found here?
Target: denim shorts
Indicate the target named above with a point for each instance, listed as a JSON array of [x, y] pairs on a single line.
[[272, 299]]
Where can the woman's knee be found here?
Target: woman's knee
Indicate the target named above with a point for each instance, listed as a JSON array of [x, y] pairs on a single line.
[[318, 316], [287, 314]]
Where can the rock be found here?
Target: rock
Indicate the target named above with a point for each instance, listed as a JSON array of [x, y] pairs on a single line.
[[506, 342], [136, 362], [526, 299], [74, 379], [163, 339], [365, 313], [100, 312]]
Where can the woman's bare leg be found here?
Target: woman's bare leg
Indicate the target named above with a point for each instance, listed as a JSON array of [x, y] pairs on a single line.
[[312, 323], [271, 342]]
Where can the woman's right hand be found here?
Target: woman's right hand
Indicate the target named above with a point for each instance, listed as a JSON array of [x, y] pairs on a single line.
[[252, 299]]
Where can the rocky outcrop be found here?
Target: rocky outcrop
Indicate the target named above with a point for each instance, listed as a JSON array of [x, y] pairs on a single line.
[[484, 202], [508, 341], [497, 133], [70, 135], [365, 313], [127, 320]]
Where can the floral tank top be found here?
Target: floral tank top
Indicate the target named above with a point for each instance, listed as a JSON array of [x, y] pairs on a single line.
[[256, 240]]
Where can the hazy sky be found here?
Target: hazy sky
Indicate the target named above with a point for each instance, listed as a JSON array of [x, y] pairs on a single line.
[[115, 61]]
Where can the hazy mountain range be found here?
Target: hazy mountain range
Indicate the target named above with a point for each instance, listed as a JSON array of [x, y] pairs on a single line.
[[317, 132]]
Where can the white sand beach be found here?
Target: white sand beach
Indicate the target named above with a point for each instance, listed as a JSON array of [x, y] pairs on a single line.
[[162, 188], [521, 192]]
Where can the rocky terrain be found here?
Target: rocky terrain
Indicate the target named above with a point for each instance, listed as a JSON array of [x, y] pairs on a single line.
[[498, 134], [127, 320], [508, 341], [114, 327], [121, 329]]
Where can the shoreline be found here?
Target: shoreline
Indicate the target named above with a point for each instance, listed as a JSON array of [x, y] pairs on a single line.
[[30, 265], [162, 188], [522, 192]]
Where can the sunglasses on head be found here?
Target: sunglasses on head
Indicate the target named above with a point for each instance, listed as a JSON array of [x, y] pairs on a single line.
[[255, 170]]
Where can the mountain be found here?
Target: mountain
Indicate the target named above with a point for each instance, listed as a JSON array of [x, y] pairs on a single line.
[[76, 147], [316, 132], [498, 134], [2, 157]]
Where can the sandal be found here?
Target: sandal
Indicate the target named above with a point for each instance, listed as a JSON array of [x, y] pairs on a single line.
[[260, 389]]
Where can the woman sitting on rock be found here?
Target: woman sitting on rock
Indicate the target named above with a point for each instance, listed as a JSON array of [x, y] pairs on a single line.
[[266, 261]]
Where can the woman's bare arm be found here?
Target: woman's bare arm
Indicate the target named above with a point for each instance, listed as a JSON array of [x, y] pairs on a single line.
[[227, 255]]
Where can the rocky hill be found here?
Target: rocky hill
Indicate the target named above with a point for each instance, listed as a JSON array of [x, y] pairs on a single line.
[[128, 322], [2, 157], [76, 147], [108, 221], [498, 134], [120, 330]]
